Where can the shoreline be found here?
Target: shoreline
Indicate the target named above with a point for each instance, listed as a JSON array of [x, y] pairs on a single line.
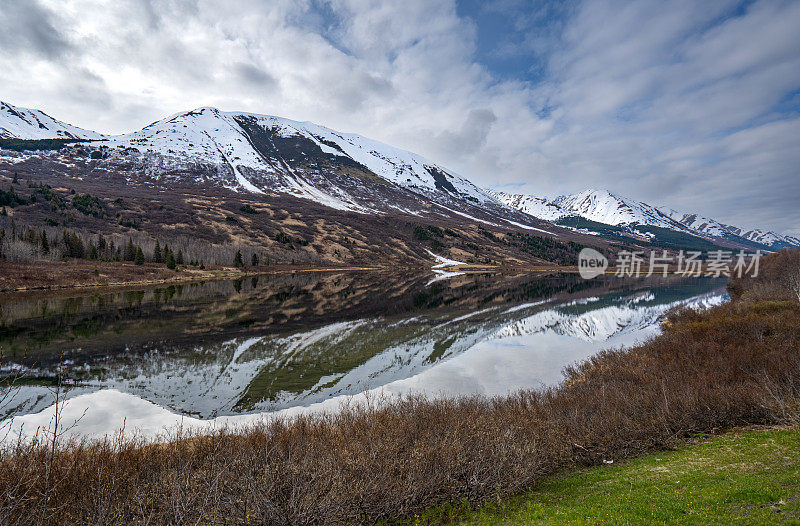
[[62, 277], [184, 276], [160, 276]]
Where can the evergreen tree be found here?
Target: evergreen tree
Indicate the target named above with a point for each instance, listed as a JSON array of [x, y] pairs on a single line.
[[139, 258], [73, 246], [130, 251], [93, 251], [170, 260], [3, 212], [45, 243], [237, 259], [16, 178], [179, 257], [157, 257], [77, 246], [255, 260]]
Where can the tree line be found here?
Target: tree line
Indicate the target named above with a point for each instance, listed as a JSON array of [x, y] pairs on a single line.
[[21, 244]]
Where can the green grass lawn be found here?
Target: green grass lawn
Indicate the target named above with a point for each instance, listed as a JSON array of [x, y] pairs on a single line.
[[745, 477]]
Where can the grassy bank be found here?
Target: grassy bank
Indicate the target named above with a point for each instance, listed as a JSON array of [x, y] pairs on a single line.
[[743, 477], [734, 365]]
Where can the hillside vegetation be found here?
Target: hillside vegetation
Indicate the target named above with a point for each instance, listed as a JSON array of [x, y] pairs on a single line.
[[78, 222], [733, 365]]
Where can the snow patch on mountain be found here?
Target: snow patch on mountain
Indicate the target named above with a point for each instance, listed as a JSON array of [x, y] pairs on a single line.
[[442, 262], [531, 205]]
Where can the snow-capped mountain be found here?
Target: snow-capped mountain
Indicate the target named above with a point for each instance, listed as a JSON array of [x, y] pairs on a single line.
[[601, 206], [598, 212], [251, 141], [612, 209], [715, 228], [261, 154], [23, 123]]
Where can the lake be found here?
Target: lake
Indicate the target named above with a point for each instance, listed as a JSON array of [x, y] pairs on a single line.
[[230, 351]]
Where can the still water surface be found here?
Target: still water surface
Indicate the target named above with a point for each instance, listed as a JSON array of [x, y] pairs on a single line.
[[272, 343]]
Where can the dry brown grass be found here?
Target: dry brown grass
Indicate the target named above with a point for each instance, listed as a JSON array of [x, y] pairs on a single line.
[[736, 364], [778, 279]]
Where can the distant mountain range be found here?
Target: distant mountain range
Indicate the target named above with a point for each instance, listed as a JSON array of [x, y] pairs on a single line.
[[604, 213], [705, 225], [265, 158]]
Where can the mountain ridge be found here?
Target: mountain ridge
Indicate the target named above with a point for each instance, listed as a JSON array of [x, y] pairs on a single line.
[[32, 124], [713, 227], [602, 206], [262, 153], [185, 136], [269, 155]]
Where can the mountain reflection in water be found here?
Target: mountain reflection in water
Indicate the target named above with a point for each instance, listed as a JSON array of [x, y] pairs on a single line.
[[272, 342]]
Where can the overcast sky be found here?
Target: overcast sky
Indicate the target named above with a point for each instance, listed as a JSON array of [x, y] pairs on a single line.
[[690, 104]]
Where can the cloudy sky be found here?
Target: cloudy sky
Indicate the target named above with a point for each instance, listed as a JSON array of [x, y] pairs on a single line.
[[690, 104]]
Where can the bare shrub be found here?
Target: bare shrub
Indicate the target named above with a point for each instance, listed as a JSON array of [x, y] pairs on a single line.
[[778, 279]]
